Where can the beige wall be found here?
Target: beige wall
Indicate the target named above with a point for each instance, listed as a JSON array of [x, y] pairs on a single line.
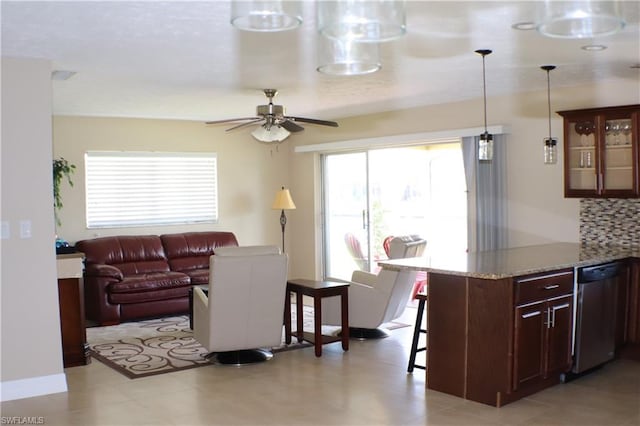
[[249, 173], [30, 324], [537, 210]]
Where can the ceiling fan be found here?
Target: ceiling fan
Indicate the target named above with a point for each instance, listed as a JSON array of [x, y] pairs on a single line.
[[275, 125]]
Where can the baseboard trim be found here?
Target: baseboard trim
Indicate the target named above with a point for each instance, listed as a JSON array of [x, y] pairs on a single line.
[[34, 386]]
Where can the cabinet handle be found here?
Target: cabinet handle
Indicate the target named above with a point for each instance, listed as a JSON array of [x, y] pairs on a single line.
[[364, 219], [554, 309], [551, 286], [549, 318], [531, 314]]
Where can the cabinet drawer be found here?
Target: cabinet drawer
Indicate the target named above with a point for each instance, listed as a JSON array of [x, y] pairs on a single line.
[[540, 287]]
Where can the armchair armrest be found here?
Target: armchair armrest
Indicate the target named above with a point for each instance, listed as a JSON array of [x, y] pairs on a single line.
[[201, 317], [363, 277], [102, 270]]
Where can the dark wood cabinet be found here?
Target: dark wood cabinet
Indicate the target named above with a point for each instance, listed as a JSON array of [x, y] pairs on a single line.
[[543, 327], [622, 311], [75, 349], [498, 340], [601, 154], [633, 318]]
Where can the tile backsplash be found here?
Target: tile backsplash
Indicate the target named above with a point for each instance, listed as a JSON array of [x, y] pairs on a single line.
[[610, 221]]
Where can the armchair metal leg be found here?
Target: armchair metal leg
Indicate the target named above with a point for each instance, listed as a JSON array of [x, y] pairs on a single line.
[[240, 357]]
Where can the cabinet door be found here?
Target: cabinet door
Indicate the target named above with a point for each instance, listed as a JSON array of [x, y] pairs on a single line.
[[602, 156], [530, 331], [581, 155], [559, 328], [619, 155]]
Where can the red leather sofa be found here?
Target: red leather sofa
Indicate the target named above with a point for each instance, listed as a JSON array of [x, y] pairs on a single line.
[[132, 277]]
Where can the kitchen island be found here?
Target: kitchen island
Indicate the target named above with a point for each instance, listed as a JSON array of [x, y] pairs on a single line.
[[500, 323]]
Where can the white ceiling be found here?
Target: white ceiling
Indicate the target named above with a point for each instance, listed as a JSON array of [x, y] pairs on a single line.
[[184, 60]]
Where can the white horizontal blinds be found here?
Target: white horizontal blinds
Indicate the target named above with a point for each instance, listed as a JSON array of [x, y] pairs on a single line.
[[148, 188]]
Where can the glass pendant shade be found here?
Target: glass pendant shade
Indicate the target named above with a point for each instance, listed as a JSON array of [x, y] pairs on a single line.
[[344, 57], [366, 21], [580, 19], [485, 147], [265, 16], [270, 134], [550, 151]]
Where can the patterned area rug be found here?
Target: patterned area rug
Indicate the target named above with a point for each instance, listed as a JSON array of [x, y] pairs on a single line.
[[145, 348]]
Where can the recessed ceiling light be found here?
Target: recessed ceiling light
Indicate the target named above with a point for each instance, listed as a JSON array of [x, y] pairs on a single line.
[[594, 47], [524, 26], [62, 75]]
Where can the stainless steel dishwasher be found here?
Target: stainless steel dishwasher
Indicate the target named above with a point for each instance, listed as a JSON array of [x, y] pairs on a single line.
[[595, 316]]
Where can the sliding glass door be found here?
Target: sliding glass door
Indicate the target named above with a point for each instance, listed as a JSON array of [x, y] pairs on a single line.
[[371, 195], [346, 206]]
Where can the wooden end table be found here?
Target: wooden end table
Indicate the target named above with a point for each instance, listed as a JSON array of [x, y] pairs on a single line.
[[316, 290]]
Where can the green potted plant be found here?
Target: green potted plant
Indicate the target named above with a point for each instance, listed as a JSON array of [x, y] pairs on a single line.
[[62, 169]]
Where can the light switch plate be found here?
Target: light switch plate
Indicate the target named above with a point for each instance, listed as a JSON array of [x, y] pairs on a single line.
[[6, 230], [25, 229]]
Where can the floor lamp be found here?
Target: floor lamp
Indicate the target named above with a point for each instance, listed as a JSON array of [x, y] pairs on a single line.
[[283, 202]]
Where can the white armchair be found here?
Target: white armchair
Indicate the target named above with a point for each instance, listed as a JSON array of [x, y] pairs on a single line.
[[373, 301], [240, 318], [377, 299]]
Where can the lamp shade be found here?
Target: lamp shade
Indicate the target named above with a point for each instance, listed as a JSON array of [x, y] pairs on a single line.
[[274, 133], [283, 200], [580, 19], [265, 15], [367, 21], [347, 57]]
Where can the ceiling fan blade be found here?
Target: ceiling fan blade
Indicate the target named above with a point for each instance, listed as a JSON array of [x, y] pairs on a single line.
[[231, 120], [248, 123], [291, 126], [313, 121]]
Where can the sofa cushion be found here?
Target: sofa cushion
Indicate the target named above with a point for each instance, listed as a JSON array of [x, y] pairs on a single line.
[[150, 282], [189, 251], [198, 276], [131, 254], [142, 298]]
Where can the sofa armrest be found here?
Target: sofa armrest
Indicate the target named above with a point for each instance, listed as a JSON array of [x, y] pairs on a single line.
[[102, 270]]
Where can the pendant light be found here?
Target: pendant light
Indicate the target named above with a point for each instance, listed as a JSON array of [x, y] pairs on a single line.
[[485, 145], [265, 15], [366, 21], [346, 57], [550, 143], [580, 19]]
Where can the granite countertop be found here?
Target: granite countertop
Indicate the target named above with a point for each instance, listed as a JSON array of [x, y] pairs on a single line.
[[513, 262]]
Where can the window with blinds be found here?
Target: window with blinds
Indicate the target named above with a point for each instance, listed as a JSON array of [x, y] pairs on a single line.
[[149, 188]]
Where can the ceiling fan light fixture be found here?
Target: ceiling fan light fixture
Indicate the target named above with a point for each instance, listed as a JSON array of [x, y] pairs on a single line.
[[580, 19], [265, 16], [366, 21], [345, 57], [270, 134], [485, 143]]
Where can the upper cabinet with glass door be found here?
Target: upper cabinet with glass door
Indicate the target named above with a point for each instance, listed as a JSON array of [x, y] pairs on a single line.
[[601, 152]]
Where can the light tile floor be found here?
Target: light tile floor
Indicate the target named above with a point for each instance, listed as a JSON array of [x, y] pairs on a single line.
[[368, 385]]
